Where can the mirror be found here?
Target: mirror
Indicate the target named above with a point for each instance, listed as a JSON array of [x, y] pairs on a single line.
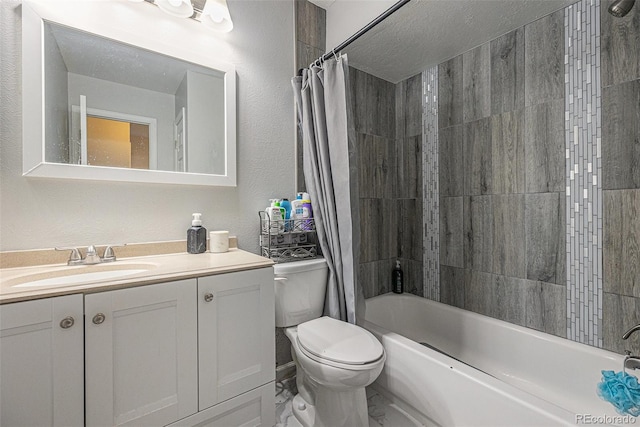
[[110, 109]]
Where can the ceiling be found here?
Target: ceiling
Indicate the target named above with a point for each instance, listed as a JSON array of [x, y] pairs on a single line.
[[424, 33]]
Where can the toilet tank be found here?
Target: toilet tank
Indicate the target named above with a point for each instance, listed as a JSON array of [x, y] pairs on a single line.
[[300, 287]]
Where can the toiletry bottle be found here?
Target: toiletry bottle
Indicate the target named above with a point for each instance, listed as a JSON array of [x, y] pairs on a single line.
[[296, 213], [307, 212], [196, 236], [275, 216], [286, 205], [396, 279]]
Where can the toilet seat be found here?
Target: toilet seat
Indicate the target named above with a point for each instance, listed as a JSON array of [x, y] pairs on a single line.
[[339, 344]]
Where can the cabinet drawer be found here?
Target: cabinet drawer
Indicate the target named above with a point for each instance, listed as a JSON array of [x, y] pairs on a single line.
[[251, 409]]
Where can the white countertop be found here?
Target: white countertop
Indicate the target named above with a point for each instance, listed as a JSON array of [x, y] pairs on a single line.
[[159, 268]]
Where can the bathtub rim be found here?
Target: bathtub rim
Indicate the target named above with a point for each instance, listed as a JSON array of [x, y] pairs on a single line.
[[558, 414]]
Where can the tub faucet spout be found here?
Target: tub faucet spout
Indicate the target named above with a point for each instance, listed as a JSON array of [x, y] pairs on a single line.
[[631, 331]]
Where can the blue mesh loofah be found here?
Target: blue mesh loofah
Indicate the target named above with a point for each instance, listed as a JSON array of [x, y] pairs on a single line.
[[622, 391]]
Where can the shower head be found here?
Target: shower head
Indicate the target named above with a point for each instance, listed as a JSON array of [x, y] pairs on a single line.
[[620, 8]]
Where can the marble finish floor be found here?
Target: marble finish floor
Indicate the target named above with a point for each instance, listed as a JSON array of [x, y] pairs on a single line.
[[382, 412]]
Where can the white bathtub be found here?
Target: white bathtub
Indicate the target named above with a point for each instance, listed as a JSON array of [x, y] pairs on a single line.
[[521, 378]]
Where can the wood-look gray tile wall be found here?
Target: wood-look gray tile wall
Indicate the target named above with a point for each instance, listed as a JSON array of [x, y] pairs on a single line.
[[378, 229], [621, 135], [476, 83], [501, 150], [620, 313], [310, 22], [477, 159], [545, 237], [374, 104], [409, 167], [451, 232], [509, 254], [620, 38], [545, 147], [508, 152], [536, 305], [412, 88], [620, 77], [376, 166], [507, 72], [478, 233], [621, 248], [452, 285], [544, 61], [450, 167], [450, 93], [388, 122]]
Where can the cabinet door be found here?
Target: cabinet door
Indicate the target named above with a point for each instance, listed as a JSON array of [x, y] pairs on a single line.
[[42, 363], [141, 355], [255, 408], [236, 340]]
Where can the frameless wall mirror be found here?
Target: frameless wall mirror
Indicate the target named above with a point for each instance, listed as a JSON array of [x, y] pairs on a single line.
[[102, 107]]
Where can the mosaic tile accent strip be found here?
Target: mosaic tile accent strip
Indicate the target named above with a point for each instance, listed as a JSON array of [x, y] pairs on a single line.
[[583, 167], [430, 199]]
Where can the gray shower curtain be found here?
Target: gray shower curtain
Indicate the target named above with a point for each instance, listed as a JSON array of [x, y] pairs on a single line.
[[330, 173]]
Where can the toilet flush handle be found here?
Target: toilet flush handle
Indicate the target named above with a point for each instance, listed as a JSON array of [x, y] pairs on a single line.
[[280, 279]]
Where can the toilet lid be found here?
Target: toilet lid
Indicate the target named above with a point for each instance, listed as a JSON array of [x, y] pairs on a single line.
[[338, 341]]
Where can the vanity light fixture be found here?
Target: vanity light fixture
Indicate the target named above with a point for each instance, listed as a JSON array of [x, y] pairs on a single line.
[[179, 8], [216, 15], [212, 13]]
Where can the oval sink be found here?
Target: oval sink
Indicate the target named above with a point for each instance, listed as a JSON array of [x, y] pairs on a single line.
[[79, 275]]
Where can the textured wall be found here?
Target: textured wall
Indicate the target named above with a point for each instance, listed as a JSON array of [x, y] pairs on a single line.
[[47, 213], [501, 180]]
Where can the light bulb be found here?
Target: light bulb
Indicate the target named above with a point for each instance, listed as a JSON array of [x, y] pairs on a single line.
[[179, 8], [215, 11], [216, 15]]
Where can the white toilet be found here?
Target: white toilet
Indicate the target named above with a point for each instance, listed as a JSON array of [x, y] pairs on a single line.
[[335, 360]]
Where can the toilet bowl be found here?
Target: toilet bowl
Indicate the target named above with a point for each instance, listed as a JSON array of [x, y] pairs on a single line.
[[335, 360]]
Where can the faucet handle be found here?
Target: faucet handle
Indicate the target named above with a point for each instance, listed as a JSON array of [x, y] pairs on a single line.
[[109, 254], [74, 257]]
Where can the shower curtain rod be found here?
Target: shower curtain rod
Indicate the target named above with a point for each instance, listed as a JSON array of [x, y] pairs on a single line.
[[360, 33]]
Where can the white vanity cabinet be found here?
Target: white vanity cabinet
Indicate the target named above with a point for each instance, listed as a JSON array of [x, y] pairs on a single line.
[[191, 352], [160, 353], [41, 362], [141, 355], [236, 320]]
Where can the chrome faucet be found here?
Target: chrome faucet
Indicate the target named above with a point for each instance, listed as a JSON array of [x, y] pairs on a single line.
[[631, 361], [92, 257]]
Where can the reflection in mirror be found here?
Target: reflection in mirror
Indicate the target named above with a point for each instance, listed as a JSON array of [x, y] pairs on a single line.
[[112, 104]]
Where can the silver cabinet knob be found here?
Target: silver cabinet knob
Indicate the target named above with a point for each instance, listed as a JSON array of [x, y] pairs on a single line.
[[67, 322], [208, 297], [98, 318]]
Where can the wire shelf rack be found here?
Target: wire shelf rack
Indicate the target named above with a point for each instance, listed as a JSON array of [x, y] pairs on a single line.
[[287, 240]]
